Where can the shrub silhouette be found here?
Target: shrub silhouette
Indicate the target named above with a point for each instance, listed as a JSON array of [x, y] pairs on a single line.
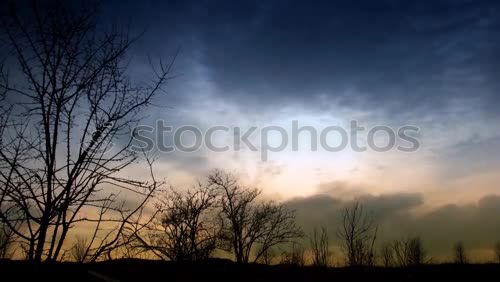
[[460, 256], [409, 251], [320, 247]]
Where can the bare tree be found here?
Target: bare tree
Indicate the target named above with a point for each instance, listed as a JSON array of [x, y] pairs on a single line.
[[358, 234], [247, 223], [496, 251], [7, 235], [295, 255], [409, 251], [187, 228], [460, 256], [130, 248], [387, 255], [68, 137], [320, 247]]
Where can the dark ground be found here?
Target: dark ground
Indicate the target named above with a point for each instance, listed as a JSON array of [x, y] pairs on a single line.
[[222, 270]]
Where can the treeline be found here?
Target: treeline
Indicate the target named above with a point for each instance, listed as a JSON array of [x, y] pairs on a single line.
[[221, 215], [218, 213]]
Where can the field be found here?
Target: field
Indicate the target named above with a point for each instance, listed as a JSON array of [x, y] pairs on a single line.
[[222, 270]]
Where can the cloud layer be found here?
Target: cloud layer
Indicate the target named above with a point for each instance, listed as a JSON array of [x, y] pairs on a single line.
[[477, 225]]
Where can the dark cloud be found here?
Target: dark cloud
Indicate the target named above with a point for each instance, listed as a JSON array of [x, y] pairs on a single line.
[[324, 209], [392, 55], [474, 224]]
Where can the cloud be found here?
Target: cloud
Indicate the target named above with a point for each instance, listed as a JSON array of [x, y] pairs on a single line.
[[383, 55], [376, 55], [341, 190], [474, 224]]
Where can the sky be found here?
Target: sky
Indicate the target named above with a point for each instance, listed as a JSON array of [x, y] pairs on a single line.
[[429, 64]]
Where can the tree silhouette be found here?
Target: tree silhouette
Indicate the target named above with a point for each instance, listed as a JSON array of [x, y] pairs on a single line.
[[459, 253], [187, 229], [320, 247], [496, 251], [409, 251], [247, 222], [387, 255], [357, 234], [67, 138], [295, 255]]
